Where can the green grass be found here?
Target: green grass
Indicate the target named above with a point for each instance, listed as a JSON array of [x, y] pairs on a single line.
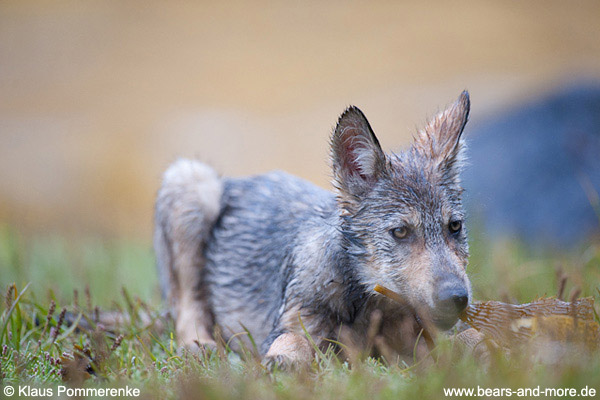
[[84, 275]]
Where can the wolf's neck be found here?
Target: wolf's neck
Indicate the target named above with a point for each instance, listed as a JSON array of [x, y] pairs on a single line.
[[356, 293], [324, 260]]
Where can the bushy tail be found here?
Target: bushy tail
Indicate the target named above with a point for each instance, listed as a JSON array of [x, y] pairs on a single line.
[[187, 206]]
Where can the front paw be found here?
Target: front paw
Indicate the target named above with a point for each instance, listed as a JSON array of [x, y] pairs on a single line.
[[289, 352], [284, 363]]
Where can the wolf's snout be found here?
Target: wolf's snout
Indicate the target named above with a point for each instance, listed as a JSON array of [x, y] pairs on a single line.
[[450, 300], [454, 299]]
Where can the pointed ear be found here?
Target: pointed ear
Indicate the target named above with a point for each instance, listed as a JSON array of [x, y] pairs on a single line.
[[357, 158], [441, 140]]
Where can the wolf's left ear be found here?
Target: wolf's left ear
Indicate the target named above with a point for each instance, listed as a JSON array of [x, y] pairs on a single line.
[[357, 158], [441, 140]]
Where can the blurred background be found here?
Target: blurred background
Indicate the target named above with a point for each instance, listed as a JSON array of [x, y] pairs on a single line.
[[97, 98]]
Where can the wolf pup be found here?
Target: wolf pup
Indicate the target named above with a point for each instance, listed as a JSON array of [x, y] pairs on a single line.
[[279, 257]]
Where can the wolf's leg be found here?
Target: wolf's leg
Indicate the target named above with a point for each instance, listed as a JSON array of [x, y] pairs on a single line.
[[289, 351], [187, 205], [288, 346]]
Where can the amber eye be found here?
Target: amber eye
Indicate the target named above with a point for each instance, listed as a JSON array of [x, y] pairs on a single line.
[[455, 226], [400, 232]]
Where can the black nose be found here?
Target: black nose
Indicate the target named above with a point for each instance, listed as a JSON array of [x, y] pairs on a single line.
[[453, 299]]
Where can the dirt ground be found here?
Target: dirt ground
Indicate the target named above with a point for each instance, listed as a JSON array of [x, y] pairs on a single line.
[[96, 98]]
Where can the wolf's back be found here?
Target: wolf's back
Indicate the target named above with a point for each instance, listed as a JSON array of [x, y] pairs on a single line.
[[251, 246]]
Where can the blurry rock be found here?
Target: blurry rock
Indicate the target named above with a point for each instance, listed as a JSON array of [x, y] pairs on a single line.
[[535, 170]]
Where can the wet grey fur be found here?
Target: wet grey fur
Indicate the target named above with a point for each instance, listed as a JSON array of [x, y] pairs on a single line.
[[280, 249]]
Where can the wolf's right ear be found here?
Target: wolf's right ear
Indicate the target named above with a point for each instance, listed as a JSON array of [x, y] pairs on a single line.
[[357, 158]]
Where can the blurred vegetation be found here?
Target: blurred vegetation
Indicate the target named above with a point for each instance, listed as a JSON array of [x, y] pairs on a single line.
[[57, 266], [39, 348]]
